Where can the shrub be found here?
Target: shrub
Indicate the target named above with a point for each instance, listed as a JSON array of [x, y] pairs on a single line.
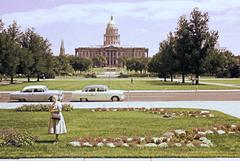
[[41, 108], [92, 75], [15, 138], [123, 75]]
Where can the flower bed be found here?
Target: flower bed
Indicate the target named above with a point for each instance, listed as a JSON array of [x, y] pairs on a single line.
[[14, 138], [164, 113], [176, 138], [41, 108]]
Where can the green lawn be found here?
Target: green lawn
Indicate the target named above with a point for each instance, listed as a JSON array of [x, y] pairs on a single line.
[[124, 84], [224, 81], [114, 124]]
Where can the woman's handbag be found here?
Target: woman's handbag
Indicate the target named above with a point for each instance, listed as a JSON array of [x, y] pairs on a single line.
[[56, 116]]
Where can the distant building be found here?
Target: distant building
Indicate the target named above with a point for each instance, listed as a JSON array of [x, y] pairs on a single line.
[[111, 48], [62, 49]]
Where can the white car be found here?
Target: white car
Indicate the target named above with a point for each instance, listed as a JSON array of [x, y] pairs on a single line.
[[97, 93], [36, 93]]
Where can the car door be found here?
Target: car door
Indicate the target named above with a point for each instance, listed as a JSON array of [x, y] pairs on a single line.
[[38, 94], [101, 94], [90, 94], [26, 94]]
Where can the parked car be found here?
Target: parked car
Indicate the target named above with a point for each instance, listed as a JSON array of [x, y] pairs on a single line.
[[36, 93], [97, 93]]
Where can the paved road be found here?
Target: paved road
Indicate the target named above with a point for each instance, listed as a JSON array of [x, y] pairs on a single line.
[[184, 96], [190, 95]]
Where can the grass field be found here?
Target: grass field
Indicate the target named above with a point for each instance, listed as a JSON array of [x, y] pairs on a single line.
[[124, 84], [114, 124], [224, 81]]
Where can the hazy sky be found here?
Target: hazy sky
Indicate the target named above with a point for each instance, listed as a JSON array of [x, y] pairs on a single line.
[[140, 22]]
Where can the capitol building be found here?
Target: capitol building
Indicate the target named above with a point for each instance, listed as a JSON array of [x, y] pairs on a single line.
[[111, 48]]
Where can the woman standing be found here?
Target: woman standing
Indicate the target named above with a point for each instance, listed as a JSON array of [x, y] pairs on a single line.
[[56, 123]]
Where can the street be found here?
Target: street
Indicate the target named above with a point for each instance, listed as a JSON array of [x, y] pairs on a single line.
[[211, 95]]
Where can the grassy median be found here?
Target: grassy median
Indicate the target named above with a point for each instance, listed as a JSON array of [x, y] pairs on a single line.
[[82, 123], [123, 84]]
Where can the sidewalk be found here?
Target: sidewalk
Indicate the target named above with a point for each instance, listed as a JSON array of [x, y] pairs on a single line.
[[228, 107]]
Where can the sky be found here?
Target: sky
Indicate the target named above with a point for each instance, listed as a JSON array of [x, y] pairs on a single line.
[[140, 22]]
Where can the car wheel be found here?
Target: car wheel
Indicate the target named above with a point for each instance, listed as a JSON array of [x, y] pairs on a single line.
[[115, 98]]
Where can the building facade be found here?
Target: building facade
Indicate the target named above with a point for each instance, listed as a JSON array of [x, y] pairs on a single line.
[[111, 48]]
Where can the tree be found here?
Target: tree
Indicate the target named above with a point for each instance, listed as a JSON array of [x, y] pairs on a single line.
[[62, 65], [26, 57], [41, 54], [143, 64], [80, 64], [168, 58], [231, 65], [2, 37], [137, 64], [11, 50], [122, 61], [23, 53], [130, 64], [202, 40], [222, 64], [165, 61], [214, 62], [183, 47], [155, 66], [98, 61]]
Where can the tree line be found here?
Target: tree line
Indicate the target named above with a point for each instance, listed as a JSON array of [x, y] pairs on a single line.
[[25, 52], [69, 63], [191, 50], [29, 54]]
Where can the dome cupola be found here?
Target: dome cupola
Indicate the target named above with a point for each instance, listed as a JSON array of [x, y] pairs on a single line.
[[111, 37]]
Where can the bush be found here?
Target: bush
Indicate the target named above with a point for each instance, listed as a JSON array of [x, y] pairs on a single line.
[[123, 75], [93, 75], [139, 75], [49, 75], [15, 138], [41, 108]]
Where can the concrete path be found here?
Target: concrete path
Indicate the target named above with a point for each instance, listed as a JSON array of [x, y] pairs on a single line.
[[228, 107]]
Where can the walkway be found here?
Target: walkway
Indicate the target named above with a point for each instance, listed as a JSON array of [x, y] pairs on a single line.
[[228, 107]]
